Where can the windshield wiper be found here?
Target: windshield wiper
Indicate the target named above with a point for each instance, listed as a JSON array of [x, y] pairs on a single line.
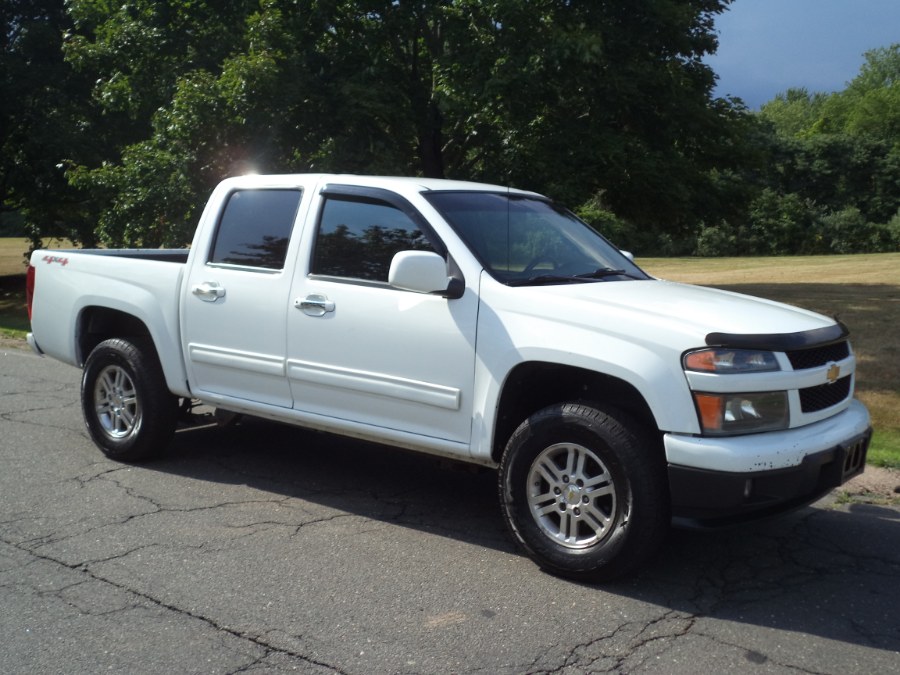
[[596, 275], [604, 272], [541, 279]]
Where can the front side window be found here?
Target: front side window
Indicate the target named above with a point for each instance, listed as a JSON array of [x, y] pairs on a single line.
[[521, 240], [255, 228], [358, 237]]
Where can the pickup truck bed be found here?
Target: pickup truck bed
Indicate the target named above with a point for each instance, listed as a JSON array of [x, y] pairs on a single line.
[[103, 288]]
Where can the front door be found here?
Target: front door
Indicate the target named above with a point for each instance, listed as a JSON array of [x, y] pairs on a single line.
[[364, 352]]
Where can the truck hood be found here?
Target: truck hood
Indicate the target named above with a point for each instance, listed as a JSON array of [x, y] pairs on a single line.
[[664, 312]]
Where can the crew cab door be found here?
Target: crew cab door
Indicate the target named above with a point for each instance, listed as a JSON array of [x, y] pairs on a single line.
[[234, 312], [364, 352]]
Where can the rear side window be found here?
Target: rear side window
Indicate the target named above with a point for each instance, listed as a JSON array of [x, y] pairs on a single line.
[[357, 239], [255, 228]]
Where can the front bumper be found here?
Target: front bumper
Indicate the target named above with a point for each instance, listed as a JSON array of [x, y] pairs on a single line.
[[725, 480]]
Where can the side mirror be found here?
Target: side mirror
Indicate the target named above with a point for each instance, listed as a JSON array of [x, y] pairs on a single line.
[[627, 254], [420, 271]]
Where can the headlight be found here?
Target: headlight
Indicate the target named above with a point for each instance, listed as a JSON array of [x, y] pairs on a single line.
[[725, 361], [752, 412]]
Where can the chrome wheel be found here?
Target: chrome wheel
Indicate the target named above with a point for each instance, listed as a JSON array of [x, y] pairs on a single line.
[[571, 495], [115, 402], [584, 491], [128, 408]]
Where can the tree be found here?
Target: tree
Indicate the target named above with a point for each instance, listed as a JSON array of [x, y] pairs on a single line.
[[795, 112], [870, 105], [571, 98], [44, 118], [841, 153]]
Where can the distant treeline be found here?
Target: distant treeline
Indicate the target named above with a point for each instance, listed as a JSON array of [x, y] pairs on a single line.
[[116, 120]]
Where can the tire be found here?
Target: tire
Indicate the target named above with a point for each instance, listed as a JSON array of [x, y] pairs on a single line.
[[128, 410], [584, 492]]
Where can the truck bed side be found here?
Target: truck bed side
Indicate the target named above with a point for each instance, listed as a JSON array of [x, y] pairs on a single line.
[[81, 297]]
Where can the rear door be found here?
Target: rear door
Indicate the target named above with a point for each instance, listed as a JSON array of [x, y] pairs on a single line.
[[234, 314]]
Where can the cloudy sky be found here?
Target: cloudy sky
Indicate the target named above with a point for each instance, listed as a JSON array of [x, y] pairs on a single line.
[[768, 46]]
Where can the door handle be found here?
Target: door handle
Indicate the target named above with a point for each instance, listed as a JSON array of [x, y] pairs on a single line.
[[314, 305], [208, 291]]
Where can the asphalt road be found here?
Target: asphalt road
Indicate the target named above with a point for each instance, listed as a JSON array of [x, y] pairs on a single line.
[[263, 548]]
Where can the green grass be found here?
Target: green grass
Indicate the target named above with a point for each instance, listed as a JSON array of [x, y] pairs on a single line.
[[885, 448], [862, 290]]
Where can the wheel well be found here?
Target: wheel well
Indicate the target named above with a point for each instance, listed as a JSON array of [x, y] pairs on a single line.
[[97, 324], [533, 386]]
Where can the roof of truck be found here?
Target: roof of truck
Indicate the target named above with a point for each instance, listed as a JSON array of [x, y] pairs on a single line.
[[391, 182]]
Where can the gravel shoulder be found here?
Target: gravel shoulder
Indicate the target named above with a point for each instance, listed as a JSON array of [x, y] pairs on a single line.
[[876, 485]]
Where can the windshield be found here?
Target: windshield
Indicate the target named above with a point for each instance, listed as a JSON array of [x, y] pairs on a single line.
[[522, 240]]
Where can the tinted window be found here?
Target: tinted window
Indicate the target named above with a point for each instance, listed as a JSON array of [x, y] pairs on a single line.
[[255, 228], [358, 239]]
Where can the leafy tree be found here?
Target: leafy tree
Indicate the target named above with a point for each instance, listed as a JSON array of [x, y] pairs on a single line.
[[570, 98], [152, 88], [795, 112], [44, 118], [870, 105], [840, 155]]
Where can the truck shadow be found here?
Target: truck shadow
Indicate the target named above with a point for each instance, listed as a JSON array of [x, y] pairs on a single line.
[[832, 573], [366, 479]]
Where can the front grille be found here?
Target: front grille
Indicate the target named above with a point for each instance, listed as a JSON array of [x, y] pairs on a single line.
[[814, 357], [813, 399]]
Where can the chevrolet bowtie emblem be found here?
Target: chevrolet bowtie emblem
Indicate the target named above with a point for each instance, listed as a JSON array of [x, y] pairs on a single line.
[[833, 373]]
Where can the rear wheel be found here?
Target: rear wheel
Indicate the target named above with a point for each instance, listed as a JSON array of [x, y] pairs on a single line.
[[128, 409], [584, 491]]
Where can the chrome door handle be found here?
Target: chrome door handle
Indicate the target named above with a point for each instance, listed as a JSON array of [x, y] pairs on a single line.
[[208, 291], [314, 305]]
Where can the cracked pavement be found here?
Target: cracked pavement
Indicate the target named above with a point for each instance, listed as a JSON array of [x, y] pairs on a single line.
[[261, 548]]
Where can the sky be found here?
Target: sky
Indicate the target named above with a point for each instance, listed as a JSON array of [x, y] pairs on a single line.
[[769, 46]]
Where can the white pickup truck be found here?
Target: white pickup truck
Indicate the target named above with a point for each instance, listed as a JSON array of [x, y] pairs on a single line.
[[473, 322]]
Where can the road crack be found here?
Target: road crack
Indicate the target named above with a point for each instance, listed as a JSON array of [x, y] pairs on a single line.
[[256, 640]]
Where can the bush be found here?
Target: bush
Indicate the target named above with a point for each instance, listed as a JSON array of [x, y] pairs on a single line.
[[844, 231], [889, 234], [717, 240]]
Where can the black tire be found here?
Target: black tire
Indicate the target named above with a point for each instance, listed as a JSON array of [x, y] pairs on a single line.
[[584, 492], [128, 409]]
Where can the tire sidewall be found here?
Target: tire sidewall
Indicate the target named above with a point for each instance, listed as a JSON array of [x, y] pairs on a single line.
[[616, 446], [155, 414]]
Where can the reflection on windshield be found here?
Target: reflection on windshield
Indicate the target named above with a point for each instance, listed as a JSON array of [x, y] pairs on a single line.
[[524, 240]]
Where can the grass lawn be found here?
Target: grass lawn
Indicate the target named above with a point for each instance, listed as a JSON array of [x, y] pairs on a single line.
[[863, 291]]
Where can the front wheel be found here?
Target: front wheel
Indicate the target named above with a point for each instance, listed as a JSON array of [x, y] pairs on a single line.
[[128, 409], [584, 491]]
